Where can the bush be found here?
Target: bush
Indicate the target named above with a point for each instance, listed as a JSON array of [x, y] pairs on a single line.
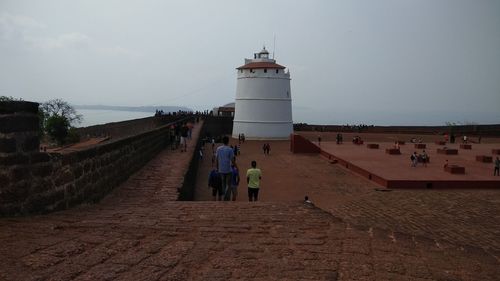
[[73, 136], [56, 118], [57, 128]]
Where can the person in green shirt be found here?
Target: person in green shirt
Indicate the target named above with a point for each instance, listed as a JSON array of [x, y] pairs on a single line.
[[254, 176]]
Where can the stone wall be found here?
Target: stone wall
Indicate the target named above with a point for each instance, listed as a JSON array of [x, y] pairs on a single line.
[[299, 144], [37, 182], [126, 128], [213, 126], [475, 130]]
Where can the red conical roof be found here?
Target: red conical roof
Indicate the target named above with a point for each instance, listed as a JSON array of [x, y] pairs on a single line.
[[254, 65]]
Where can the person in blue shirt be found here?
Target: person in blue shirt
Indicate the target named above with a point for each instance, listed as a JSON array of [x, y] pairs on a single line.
[[235, 181], [224, 158], [214, 181]]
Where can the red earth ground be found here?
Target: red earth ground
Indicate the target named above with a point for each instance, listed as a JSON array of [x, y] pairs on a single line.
[[352, 232]]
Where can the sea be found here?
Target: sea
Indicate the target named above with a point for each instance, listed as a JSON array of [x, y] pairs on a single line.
[[316, 116], [95, 117]]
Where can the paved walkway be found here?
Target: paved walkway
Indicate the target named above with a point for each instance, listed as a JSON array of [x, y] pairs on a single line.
[[466, 217], [138, 233]]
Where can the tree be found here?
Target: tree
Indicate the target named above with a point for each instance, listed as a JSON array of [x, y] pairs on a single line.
[[58, 116], [9, 98], [57, 127], [58, 107]]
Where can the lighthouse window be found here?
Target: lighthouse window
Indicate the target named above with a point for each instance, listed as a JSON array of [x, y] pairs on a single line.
[[265, 70]]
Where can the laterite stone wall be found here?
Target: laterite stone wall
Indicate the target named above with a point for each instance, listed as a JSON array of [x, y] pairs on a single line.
[[38, 182]]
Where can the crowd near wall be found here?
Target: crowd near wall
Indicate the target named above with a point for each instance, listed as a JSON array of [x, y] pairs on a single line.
[[35, 182], [125, 128], [213, 127], [472, 130]]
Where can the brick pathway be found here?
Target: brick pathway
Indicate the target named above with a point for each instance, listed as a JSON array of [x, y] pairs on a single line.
[[138, 233], [462, 217]]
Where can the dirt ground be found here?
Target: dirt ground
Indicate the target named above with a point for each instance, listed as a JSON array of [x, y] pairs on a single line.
[[470, 217], [140, 232]]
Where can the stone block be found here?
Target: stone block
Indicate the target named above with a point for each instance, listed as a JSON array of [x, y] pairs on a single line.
[[495, 151], [40, 203], [455, 169], [41, 185], [400, 142], [63, 176], [15, 193], [9, 107], [393, 151], [68, 159], [70, 190], [42, 169], [447, 151], [78, 171], [372, 145], [18, 123], [87, 166], [8, 145], [4, 180], [9, 209], [14, 159], [31, 144], [19, 173], [465, 146], [440, 142], [57, 206], [37, 157], [420, 146], [484, 158]]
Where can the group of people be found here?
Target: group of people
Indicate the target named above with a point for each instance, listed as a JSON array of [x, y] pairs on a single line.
[[422, 158], [266, 147], [357, 140], [496, 171], [339, 138], [241, 138], [224, 178], [180, 133]]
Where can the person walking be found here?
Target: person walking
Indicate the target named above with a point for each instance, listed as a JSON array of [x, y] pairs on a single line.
[[496, 171], [266, 148], [254, 176], [184, 137], [235, 181], [224, 157], [214, 182], [414, 159], [425, 158]]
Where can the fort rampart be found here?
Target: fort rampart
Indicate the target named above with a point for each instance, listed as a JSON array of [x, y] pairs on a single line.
[[471, 130], [125, 128], [213, 126], [36, 182]]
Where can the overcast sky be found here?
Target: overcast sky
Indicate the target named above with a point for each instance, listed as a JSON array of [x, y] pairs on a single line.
[[385, 62]]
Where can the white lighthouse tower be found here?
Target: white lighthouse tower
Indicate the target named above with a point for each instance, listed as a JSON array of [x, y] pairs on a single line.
[[263, 108]]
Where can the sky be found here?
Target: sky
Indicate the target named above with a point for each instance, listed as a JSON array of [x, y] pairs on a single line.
[[384, 62]]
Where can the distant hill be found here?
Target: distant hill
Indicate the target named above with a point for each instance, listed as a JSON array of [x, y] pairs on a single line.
[[151, 109]]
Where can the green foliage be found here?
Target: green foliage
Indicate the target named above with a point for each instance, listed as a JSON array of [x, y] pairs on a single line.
[[56, 118], [73, 136], [57, 127], [9, 98], [58, 107]]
